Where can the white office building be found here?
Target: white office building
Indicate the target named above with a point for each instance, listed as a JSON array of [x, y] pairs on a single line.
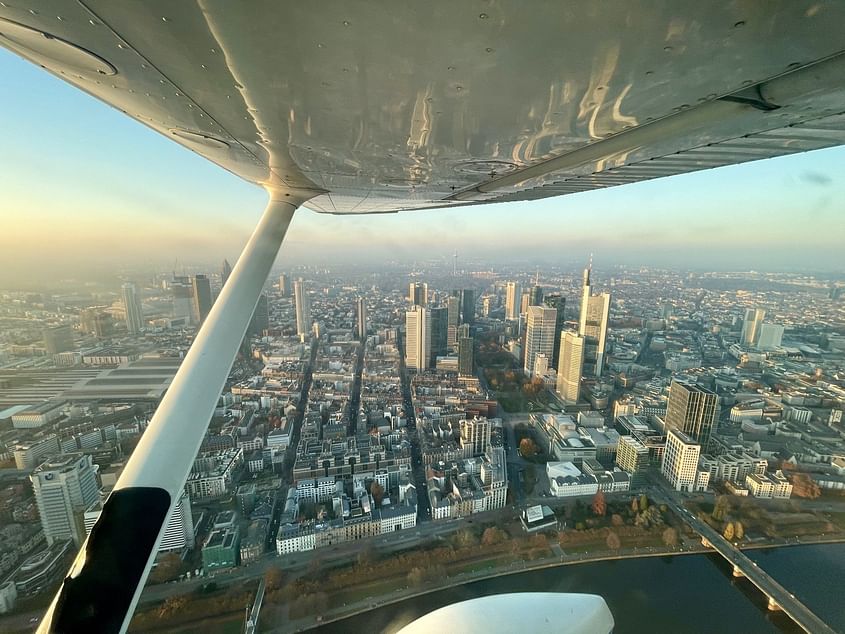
[[417, 338], [680, 463], [539, 336], [303, 308], [64, 487]]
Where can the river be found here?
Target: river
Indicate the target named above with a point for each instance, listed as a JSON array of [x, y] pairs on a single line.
[[693, 594]]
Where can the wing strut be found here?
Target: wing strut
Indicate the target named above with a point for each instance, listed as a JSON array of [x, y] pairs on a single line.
[[105, 581]]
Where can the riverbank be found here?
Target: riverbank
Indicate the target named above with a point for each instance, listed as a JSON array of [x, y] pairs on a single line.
[[405, 594]]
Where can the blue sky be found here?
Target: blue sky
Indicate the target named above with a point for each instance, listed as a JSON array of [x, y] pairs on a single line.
[[99, 189]]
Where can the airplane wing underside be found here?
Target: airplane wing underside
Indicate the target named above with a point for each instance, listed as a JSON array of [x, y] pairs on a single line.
[[387, 106]]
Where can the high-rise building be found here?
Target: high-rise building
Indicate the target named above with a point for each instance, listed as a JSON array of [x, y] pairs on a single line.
[[226, 272], [362, 319], [96, 322], [466, 356], [539, 335], [453, 319], [201, 297], [513, 298], [751, 323], [558, 302], [570, 366], [592, 325], [65, 486], [680, 463], [417, 338], [58, 339], [486, 305], [693, 410], [525, 302], [132, 308], [439, 330], [182, 294], [770, 336], [260, 321], [284, 285], [475, 436], [468, 306], [535, 295], [178, 534], [418, 294], [303, 308]]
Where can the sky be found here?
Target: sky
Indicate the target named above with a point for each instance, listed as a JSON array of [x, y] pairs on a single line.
[[85, 190]]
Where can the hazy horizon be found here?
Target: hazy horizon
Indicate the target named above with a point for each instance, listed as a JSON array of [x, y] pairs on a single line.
[[88, 191]]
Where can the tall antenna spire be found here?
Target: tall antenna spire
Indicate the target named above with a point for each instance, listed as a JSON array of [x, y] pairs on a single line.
[[537, 277], [455, 264]]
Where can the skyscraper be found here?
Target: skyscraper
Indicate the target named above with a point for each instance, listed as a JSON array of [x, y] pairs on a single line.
[[96, 322], [468, 306], [201, 297], [64, 486], [418, 294], [592, 325], [417, 338], [453, 318], [525, 302], [303, 308], [513, 297], [570, 366], [284, 285], [539, 335], [182, 293], [693, 410], [260, 317], [362, 319], [770, 336], [132, 308], [535, 295], [178, 533], [751, 324], [438, 318], [226, 272], [558, 302], [58, 339], [466, 356]]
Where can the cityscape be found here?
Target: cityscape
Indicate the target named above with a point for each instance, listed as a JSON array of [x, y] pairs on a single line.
[[541, 327], [459, 419]]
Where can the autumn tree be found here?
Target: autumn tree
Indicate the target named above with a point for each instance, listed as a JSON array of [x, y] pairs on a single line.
[[670, 537], [613, 541], [635, 505], [527, 447], [465, 539], [273, 578], [599, 504], [493, 536], [643, 502], [721, 508], [729, 531], [739, 530], [803, 486], [377, 491], [616, 519]]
